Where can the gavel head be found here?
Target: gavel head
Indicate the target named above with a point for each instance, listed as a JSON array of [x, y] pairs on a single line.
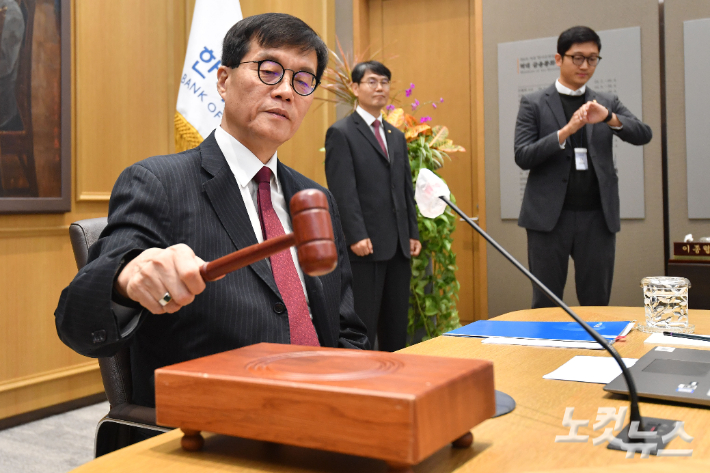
[[313, 230]]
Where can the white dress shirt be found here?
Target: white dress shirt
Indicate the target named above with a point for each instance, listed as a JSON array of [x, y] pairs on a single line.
[[567, 91], [244, 165], [370, 119]]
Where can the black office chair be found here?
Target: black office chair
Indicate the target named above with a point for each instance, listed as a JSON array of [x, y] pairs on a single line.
[[126, 423]]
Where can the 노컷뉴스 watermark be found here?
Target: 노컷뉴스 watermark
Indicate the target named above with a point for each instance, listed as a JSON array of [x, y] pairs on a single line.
[[605, 416]]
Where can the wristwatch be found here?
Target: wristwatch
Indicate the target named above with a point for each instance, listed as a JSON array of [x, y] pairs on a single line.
[[608, 117]]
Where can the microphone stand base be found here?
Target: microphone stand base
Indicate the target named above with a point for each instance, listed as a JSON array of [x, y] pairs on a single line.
[[644, 445], [504, 404]]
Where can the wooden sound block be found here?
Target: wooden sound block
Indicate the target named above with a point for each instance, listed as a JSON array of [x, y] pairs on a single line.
[[390, 406]]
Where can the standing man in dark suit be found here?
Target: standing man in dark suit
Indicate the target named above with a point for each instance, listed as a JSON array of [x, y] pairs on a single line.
[[367, 168], [168, 214], [564, 137]]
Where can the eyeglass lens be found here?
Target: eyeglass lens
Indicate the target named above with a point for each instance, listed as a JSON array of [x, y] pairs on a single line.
[[579, 60], [271, 73], [373, 83]]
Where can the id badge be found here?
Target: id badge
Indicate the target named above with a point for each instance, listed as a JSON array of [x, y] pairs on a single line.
[[580, 159]]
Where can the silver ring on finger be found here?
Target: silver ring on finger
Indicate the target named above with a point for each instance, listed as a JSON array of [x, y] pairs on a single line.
[[165, 300]]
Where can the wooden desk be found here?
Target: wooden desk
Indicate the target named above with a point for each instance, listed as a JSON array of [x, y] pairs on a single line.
[[518, 442]]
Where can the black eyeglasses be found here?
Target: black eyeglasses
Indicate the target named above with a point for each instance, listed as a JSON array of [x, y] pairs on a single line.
[[578, 60], [271, 73], [372, 83]]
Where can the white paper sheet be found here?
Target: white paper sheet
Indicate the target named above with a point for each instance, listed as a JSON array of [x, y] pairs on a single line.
[[660, 339], [590, 369]]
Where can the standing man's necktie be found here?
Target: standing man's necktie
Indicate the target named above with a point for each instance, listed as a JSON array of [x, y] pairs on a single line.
[[376, 125], [287, 280]]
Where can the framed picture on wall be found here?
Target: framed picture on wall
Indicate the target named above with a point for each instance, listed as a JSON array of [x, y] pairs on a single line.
[[35, 106]]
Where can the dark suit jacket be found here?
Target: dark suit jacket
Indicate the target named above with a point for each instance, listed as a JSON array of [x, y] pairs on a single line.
[[374, 195], [537, 149], [193, 198]]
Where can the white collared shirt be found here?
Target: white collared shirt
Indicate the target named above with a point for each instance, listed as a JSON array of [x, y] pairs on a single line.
[[370, 119], [244, 165], [567, 91]]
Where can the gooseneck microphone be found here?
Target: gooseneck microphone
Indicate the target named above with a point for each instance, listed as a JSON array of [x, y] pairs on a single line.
[[432, 196]]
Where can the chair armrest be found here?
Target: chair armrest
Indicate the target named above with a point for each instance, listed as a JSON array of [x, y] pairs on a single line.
[[133, 413]]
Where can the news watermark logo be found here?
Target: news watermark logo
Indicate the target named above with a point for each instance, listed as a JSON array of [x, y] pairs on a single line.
[[607, 415]]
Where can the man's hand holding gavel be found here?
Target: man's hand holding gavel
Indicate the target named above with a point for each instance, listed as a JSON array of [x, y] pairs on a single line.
[[156, 272], [165, 280]]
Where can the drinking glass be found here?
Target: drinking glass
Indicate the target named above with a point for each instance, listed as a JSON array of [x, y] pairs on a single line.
[[665, 299]]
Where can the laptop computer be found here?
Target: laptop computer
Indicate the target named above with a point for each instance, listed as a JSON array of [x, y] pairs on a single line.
[[669, 373]]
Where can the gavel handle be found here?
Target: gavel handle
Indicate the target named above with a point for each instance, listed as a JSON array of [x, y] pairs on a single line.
[[246, 256]]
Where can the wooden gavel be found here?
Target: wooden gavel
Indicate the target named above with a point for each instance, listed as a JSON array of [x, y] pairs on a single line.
[[312, 235]]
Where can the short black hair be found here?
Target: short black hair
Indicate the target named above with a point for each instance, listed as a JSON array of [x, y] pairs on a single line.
[[576, 35], [373, 66], [272, 30]]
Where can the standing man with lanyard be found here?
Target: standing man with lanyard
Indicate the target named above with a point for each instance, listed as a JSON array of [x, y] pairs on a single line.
[[563, 136], [367, 168]]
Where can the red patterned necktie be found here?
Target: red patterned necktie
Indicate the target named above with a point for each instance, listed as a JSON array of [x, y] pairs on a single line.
[[287, 280], [376, 125]]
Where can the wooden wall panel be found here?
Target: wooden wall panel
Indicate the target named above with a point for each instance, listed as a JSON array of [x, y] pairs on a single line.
[[49, 388], [125, 87], [404, 32], [37, 369], [361, 26], [478, 168], [677, 12]]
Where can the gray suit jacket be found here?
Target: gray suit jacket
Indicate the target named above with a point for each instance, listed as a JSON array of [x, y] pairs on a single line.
[[193, 198], [537, 149], [374, 194]]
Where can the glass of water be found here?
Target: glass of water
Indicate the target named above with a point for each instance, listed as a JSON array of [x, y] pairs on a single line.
[[665, 299]]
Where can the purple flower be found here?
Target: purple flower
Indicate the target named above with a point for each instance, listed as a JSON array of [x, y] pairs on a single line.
[[408, 92], [411, 86], [424, 119], [441, 99], [433, 105], [415, 104], [390, 107]]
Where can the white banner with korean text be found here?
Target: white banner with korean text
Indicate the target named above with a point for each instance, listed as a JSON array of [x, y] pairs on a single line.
[[199, 106]]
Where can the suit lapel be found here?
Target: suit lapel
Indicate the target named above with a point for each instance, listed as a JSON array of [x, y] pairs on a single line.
[[555, 103], [391, 148], [368, 133], [226, 199]]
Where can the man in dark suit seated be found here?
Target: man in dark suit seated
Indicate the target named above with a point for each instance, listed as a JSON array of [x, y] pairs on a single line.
[[367, 167], [563, 136], [169, 214]]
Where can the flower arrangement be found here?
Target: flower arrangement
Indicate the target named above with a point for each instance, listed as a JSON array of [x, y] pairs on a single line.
[[434, 288]]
